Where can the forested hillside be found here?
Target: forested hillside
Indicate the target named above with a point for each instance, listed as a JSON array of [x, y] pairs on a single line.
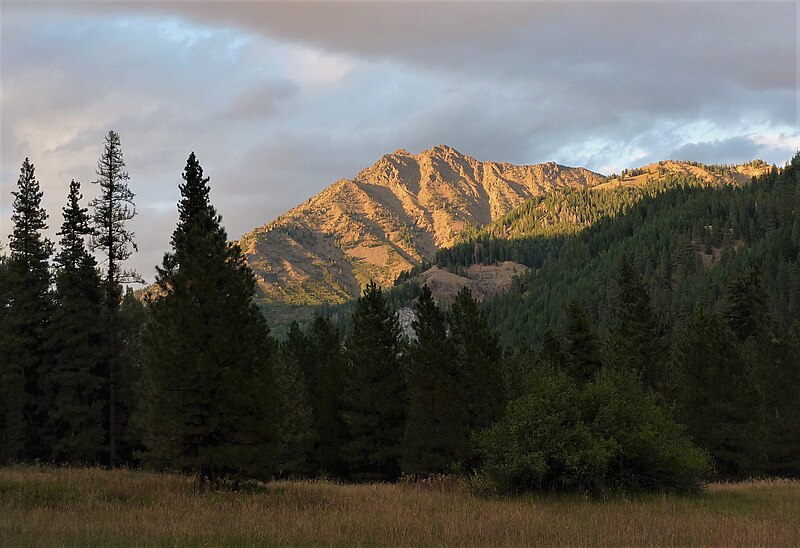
[[687, 241], [687, 235]]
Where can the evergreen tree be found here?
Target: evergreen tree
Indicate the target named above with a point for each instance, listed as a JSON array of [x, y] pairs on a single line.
[[436, 430], [479, 360], [113, 208], [295, 417], [782, 386], [207, 402], [325, 377], [374, 395], [297, 347], [582, 345], [634, 341], [74, 384], [550, 350], [718, 398], [27, 314], [5, 301], [746, 305], [133, 316]]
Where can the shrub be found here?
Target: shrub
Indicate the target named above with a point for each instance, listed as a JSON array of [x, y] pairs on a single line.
[[609, 434]]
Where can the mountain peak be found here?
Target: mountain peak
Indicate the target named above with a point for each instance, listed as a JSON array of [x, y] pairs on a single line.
[[388, 218], [440, 149]]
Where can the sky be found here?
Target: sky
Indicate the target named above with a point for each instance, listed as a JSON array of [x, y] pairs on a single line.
[[278, 100]]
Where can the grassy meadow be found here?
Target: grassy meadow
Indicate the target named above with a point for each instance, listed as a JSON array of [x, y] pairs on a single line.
[[73, 506]]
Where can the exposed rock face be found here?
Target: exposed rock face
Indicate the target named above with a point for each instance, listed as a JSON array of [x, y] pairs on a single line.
[[388, 218]]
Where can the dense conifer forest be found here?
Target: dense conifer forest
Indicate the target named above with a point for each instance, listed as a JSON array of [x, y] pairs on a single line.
[[653, 345]]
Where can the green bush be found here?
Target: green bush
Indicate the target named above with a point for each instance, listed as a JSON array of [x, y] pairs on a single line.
[[609, 434]]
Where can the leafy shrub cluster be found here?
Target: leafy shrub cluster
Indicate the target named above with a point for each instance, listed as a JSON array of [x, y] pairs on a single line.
[[609, 433]]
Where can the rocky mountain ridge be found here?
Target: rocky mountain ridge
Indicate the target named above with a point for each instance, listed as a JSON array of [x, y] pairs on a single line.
[[398, 212], [388, 218]]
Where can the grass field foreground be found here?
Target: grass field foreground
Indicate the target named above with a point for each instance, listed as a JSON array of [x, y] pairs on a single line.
[[71, 506]]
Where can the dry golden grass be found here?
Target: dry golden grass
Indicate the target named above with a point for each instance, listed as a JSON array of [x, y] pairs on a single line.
[[69, 506]]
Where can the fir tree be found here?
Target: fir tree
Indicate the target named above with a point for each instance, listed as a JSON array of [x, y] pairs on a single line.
[[113, 208], [782, 386], [298, 435], [582, 345], [5, 301], [634, 341], [745, 300], [75, 385], [436, 430], [295, 417], [550, 350], [297, 347], [207, 402], [374, 395], [27, 314], [479, 360], [325, 377], [133, 316], [718, 398]]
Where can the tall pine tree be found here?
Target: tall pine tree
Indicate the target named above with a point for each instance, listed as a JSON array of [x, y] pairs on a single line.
[[297, 433], [75, 384], [479, 360], [746, 305], [113, 208], [436, 431], [325, 378], [207, 401], [635, 342], [781, 388], [374, 395], [582, 345], [718, 398], [27, 314]]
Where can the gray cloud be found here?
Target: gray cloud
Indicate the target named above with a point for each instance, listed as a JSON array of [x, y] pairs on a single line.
[[722, 151], [279, 100], [260, 102]]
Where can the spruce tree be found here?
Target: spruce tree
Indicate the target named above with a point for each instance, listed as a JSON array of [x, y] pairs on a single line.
[[133, 316], [745, 301], [479, 361], [5, 301], [295, 418], [298, 434], [112, 209], [207, 403], [582, 345], [718, 398], [550, 351], [325, 377], [374, 393], [75, 384], [782, 387], [436, 430], [634, 341], [27, 314], [297, 347]]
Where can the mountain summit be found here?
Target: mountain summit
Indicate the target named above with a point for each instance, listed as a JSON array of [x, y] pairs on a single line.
[[388, 218]]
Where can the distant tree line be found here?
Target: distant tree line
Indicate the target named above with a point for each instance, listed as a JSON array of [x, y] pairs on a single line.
[[638, 397]]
